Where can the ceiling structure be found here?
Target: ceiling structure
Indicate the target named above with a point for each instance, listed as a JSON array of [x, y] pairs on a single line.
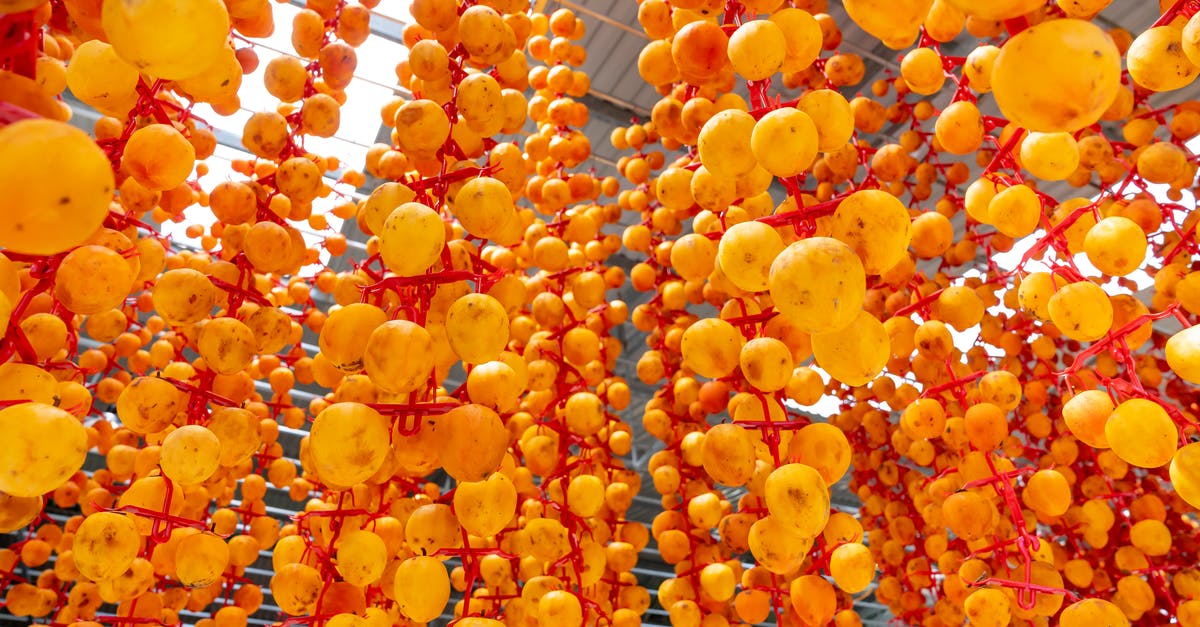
[[618, 96]]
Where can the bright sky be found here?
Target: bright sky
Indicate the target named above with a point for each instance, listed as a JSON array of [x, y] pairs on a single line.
[[373, 86]]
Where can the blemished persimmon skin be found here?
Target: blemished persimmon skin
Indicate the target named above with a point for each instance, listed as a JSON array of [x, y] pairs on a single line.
[[1091, 65], [699, 50]]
